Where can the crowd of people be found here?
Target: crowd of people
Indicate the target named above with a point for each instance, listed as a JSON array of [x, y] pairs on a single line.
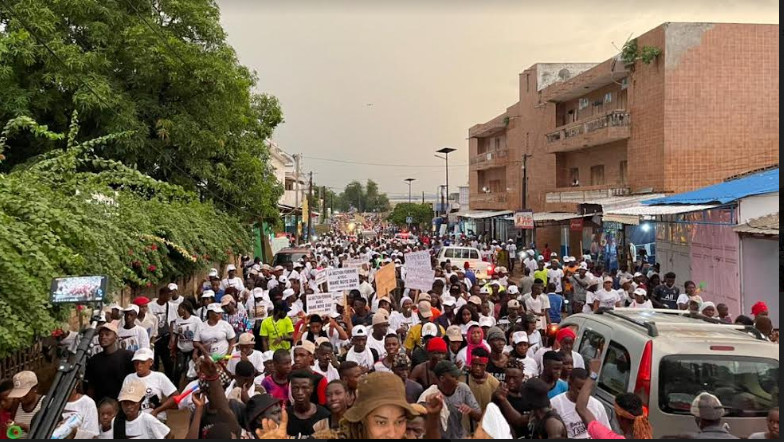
[[467, 358]]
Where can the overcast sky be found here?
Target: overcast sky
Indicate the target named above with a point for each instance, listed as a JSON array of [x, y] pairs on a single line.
[[390, 82]]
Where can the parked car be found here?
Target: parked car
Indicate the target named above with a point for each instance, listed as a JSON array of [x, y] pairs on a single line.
[[458, 256], [290, 254], [668, 357]]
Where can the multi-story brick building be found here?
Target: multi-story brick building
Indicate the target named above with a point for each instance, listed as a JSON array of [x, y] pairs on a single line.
[[703, 109]]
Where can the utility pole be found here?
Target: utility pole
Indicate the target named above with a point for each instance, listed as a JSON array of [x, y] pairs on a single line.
[[525, 193], [323, 204], [296, 196], [310, 200], [423, 197]]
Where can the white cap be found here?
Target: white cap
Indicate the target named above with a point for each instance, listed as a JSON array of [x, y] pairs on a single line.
[[115, 306], [143, 354], [258, 292], [540, 258], [287, 293], [294, 274], [530, 253], [485, 321], [553, 255], [297, 265], [520, 336], [231, 267], [173, 286], [215, 307], [358, 331], [583, 266], [640, 291], [636, 275], [213, 273], [607, 279], [484, 290], [513, 290], [207, 294], [132, 308], [429, 329], [450, 301]]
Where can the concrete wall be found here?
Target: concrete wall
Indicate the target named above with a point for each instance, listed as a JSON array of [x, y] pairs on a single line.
[[608, 155], [760, 275], [757, 206]]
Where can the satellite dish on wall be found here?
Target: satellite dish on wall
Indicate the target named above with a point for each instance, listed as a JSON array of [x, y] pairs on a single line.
[[564, 74]]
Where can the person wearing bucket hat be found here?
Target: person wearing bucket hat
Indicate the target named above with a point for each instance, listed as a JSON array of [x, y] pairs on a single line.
[[380, 411], [545, 422], [708, 411], [261, 407]]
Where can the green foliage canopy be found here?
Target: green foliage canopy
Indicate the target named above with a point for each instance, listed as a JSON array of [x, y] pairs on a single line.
[[421, 214]]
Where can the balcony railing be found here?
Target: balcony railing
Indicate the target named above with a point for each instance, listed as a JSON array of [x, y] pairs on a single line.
[[616, 118], [495, 157], [499, 197]]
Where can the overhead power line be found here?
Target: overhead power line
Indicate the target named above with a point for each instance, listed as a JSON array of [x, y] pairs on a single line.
[[380, 164]]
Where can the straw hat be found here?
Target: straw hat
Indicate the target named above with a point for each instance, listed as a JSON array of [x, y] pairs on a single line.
[[375, 390]]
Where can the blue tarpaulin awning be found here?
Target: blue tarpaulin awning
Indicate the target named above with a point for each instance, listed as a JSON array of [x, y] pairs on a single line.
[[726, 192]]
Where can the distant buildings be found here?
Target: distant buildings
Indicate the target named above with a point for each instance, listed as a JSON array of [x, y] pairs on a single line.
[[695, 103]]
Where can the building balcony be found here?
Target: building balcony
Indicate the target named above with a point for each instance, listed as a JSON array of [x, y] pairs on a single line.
[[289, 198], [584, 194], [487, 201], [594, 131], [488, 160]]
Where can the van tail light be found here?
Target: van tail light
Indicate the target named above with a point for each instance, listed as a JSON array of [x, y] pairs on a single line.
[[490, 269], [642, 388]]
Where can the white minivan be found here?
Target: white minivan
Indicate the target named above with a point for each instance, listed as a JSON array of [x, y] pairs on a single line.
[[458, 256]]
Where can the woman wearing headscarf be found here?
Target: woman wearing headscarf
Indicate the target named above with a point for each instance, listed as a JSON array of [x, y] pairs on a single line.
[[475, 338]]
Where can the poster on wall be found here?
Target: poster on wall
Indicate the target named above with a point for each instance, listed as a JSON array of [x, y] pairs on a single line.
[[524, 219]]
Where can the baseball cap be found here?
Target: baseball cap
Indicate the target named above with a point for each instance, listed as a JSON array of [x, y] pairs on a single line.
[[207, 294], [133, 390], [213, 273], [425, 309], [640, 292], [227, 299], [141, 300], [132, 308], [294, 275], [450, 301], [309, 346], [173, 286], [707, 406], [607, 279], [501, 270], [215, 307], [143, 354], [520, 336], [425, 297], [231, 267], [513, 303], [540, 258], [358, 332], [246, 339], [485, 321], [513, 290], [484, 291], [454, 334], [258, 292], [297, 265], [475, 300], [381, 317], [429, 329], [447, 367], [24, 381], [583, 266], [553, 255], [278, 269], [115, 306], [110, 326], [636, 275], [287, 293]]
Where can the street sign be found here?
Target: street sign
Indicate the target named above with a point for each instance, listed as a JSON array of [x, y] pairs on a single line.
[[409, 219], [576, 225], [524, 219]]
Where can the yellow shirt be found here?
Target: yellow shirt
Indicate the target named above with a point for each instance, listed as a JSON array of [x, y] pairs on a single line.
[[541, 274], [414, 336], [273, 330]]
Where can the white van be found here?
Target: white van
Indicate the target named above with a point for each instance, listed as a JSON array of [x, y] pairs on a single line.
[[458, 256]]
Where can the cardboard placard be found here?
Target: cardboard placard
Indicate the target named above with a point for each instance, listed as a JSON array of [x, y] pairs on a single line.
[[419, 273], [385, 279], [320, 303], [342, 279]]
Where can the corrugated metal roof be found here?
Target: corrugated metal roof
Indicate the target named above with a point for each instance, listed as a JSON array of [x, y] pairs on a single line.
[[757, 184], [660, 210], [619, 202], [485, 214], [764, 225]]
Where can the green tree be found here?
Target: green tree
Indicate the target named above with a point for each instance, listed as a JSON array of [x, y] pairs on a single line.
[[420, 213], [159, 68]]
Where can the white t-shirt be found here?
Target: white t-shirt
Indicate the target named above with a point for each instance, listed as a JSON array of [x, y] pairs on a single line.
[[575, 427], [577, 359], [85, 407], [143, 427], [216, 338], [646, 304], [174, 304], [258, 308], [607, 299], [158, 386], [186, 330], [256, 358], [396, 319], [235, 282], [134, 338], [376, 345], [590, 297], [538, 305], [555, 276], [160, 312]]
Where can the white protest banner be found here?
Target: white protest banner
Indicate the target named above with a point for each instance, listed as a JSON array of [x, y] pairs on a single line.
[[321, 276], [342, 279], [419, 273], [338, 297], [354, 263], [320, 303]]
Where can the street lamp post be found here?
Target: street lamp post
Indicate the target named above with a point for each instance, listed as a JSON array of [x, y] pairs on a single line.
[[409, 180], [446, 151]]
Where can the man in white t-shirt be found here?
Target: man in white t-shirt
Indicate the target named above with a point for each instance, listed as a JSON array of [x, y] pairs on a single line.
[[159, 390], [232, 280], [555, 275], [131, 335], [565, 405]]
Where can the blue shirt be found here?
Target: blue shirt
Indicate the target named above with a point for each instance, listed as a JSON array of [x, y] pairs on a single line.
[[560, 387], [556, 305], [219, 295], [471, 276]]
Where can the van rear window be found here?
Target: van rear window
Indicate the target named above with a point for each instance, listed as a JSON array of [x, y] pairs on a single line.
[[746, 386], [283, 258]]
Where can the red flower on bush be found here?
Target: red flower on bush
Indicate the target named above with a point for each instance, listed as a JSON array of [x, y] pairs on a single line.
[[151, 268], [153, 247], [79, 308]]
